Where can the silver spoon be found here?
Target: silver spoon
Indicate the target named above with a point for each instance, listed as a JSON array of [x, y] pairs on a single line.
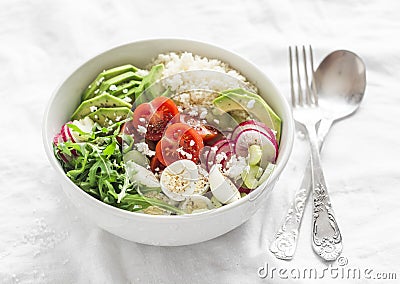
[[340, 82]]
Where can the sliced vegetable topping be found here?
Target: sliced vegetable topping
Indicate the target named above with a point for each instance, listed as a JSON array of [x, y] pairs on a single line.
[[180, 141], [152, 118]]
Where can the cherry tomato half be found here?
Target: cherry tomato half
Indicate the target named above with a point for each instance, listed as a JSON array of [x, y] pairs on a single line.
[[207, 132], [180, 141], [156, 165], [152, 118]]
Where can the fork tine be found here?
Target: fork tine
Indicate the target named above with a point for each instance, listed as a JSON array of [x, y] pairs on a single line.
[[299, 88], [293, 97], [308, 91], [313, 87]]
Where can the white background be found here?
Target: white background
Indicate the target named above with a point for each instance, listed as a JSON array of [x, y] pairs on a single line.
[[44, 240]]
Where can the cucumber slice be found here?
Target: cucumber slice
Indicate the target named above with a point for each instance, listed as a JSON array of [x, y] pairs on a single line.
[[251, 175], [137, 157], [255, 154], [137, 173], [267, 172]]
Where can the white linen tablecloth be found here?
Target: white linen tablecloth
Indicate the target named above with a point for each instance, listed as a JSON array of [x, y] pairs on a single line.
[[44, 240]]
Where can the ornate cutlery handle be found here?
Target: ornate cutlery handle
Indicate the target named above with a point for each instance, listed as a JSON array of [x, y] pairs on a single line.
[[285, 241], [326, 237]]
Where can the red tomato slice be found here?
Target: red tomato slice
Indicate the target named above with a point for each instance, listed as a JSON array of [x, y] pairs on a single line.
[[159, 154], [207, 132], [152, 118], [155, 165], [180, 141]]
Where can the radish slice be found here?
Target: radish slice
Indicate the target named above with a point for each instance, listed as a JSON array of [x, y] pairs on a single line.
[[256, 125], [69, 132], [64, 134], [56, 140], [224, 153], [203, 157], [213, 151], [249, 137], [224, 162]]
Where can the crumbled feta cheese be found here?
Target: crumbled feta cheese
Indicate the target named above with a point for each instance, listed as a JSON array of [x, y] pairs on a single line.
[[143, 148], [142, 129], [193, 112], [97, 91], [93, 108], [127, 99], [96, 116], [183, 153], [100, 81], [220, 157], [125, 91], [118, 118], [142, 119], [235, 166], [110, 122], [214, 148], [113, 88], [216, 121], [142, 72], [191, 143], [250, 104], [203, 113]]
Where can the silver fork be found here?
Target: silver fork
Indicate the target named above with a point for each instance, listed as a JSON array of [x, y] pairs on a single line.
[[326, 242]]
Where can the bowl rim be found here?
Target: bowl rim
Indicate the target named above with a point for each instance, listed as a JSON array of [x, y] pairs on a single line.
[[251, 197]]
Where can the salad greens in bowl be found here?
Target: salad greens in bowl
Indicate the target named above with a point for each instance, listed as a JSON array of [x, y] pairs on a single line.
[[168, 141]]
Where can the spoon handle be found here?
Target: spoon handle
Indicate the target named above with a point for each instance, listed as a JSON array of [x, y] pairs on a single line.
[[285, 241], [326, 237]]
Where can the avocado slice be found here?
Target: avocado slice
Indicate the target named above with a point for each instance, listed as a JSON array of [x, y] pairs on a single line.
[[155, 73], [106, 86], [239, 99], [107, 116], [105, 75], [102, 101]]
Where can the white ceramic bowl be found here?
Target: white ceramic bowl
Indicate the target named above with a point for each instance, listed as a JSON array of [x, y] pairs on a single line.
[[162, 230]]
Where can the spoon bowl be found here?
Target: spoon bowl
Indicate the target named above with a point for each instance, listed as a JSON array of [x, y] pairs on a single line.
[[340, 82]]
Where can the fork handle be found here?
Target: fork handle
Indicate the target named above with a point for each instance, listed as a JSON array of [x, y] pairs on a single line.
[[285, 241], [326, 237]]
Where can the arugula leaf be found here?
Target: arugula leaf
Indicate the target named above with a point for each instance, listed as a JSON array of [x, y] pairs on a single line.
[[97, 167]]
